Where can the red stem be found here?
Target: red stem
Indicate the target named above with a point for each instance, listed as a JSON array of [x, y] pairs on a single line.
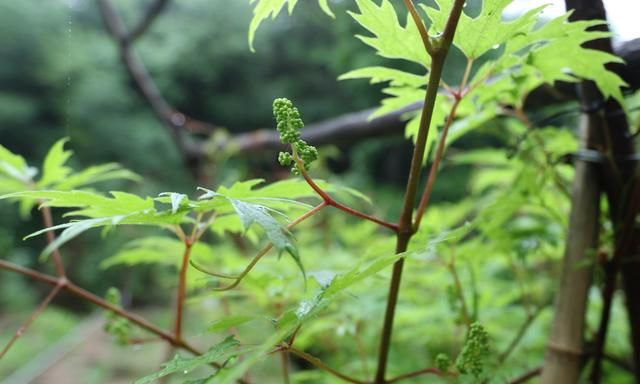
[[433, 172], [182, 284], [330, 201], [31, 318], [48, 223], [237, 279], [424, 371], [526, 376], [319, 364]]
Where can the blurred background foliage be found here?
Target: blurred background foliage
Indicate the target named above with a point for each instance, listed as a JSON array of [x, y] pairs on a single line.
[[61, 76]]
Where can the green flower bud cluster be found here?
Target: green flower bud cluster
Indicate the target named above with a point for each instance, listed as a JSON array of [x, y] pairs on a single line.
[[475, 351], [116, 325], [289, 125], [443, 362]]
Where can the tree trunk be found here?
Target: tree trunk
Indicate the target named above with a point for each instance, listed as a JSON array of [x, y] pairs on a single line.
[[563, 359]]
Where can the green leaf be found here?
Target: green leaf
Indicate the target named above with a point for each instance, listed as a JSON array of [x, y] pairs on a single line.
[[306, 310], [401, 97], [272, 8], [15, 167], [380, 74], [230, 321], [156, 250], [177, 200], [218, 352], [95, 174], [53, 168], [478, 35], [279, 237], [71, 230], [121, 208], [552, 52], [324, 5], [564, 58], [390, 39]]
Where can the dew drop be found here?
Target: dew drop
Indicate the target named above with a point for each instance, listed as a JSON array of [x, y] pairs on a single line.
[[496, 46]]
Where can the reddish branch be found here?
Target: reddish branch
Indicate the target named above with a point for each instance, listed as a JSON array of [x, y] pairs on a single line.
[[420, 372], [31, 318], [182, 284], [55, 254], [328, 200], [435, 166], [65, 285], [319, 364], [527, 376]]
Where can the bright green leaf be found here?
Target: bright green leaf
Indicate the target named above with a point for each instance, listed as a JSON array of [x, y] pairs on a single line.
[[390, 39], [53, 168], [218, 352], [230, 321]]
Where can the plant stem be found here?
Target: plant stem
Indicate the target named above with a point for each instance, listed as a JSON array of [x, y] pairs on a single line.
[[520, 334], [435, 166], [465, 76], [284, 363], [48, 222], [421, 28], [420, 372], [405, 227], [51, 280], [182, 284], [319, 364], [527, 376], [330, 201], [260, 253], [70, 287], [451, 266], [31, 318], [362, 351]]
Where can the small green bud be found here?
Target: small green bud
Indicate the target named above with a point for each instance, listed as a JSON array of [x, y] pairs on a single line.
[[288, 124], [443, 362], [285, 158], [117, 326], [475, 351]]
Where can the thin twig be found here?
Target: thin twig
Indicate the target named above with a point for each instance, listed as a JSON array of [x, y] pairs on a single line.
[[51, 280], [330, 201], [451, 266], [31, 319], [520, 334], [465, 76], [527, 376], [420, 372], [424, 35], [319, 364], [182, 284], [435, 166], [153, 10], [238, 279], [90, 297], [48, 223], [284, 364]]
